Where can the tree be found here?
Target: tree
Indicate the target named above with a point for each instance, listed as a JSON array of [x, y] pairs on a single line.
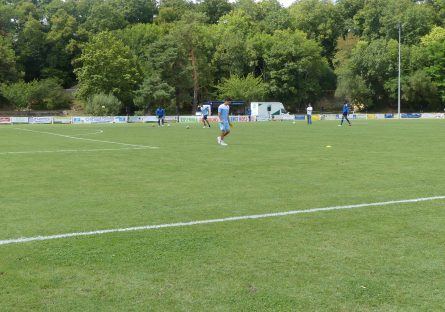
[[417, 21], [103, 17], [8, 69], [8, 19], [347, 9], [420, 93], [257, 47], [166, 65], [214, 9], [190, 32], [353, 87], [369, 76], [58, 60], [321, 21], [272, 16], [434, 45], [294, 67], [367, 21], [268, 15], [153, 92], [380, 19], [137, 11], [439, 7], [350, 85], [31, 48], [231, 35], [172, 10], [107, 66], [139, 36], [248, 88]]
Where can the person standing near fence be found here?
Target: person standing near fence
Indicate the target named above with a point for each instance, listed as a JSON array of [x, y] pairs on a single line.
[[309, 114], [224, 120], [205, 114], [345, 113], [249, 114], [160, 113]]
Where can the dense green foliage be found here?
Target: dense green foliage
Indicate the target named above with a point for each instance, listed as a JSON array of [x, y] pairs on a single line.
[[246, 89], [44, 94], [177, 53], [107, 66], [103, 104]]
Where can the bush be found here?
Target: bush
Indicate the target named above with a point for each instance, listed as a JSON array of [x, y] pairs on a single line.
[[103, 105], [17, 95], [43, 94], [50, 95]]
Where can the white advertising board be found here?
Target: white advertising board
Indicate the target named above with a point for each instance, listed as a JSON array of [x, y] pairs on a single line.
[[19, 120], [62, 120], [93, 120], [40, 120], [120, 119]]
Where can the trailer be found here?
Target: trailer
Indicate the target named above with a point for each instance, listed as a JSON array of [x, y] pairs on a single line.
[[267, 109]]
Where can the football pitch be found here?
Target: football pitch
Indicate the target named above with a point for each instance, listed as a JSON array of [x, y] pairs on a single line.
[[287, 217]]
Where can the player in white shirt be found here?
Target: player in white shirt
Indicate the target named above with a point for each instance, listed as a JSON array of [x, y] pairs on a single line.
[[224, 120], [205, 113], [309, 114]]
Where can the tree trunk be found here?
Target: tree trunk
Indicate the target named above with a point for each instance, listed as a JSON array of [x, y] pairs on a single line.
[[195, 80]]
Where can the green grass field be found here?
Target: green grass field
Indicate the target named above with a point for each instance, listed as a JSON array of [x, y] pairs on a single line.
[[377, 258]]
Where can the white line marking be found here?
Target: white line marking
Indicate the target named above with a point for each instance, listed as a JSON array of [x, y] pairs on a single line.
[[180, 224], [75, 151], [91, 133], [85, 139]]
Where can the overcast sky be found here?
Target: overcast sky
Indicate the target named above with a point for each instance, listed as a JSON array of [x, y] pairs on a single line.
[[286, 3]]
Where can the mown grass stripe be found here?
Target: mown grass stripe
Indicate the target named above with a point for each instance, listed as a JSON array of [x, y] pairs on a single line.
[[86, 139], [190, 223]]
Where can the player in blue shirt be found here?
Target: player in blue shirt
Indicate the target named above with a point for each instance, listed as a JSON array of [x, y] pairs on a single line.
[[160, 113], [345, 113], [205, 113], [224, 120]]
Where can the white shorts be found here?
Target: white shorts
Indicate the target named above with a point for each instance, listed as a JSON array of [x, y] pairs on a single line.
[[224, 126]]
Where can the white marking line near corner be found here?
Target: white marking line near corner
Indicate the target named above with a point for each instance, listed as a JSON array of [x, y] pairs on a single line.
[[97, 132], [86, 139], [75, 151], [181, 224]]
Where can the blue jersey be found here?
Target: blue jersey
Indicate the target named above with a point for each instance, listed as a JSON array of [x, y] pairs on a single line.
[[205, 111], [223, 111], [160, 112], [346, 109]]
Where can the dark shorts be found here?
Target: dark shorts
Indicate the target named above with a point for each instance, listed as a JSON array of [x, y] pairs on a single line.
[[204, 117], [345, 114]]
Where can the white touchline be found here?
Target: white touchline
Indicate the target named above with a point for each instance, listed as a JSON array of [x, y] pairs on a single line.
[[75, 151], [91, 133], [189, 223], [86, 139]]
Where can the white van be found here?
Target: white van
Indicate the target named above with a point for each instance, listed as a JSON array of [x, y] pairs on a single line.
[[267, 109]]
